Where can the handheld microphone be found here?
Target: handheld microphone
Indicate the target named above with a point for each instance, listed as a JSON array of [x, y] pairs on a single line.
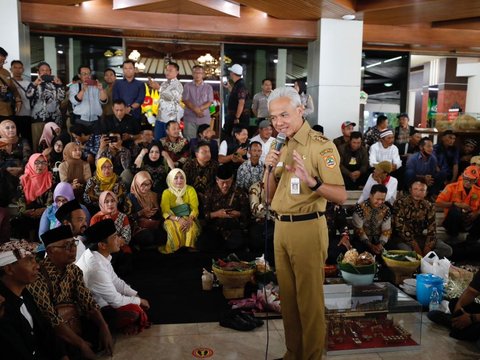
[[279, 142]]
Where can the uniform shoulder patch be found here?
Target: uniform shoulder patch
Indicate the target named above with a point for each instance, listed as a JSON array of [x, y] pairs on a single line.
[[330, 161]]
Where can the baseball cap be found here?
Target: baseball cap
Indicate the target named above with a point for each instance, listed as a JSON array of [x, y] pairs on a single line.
[[475, 160], [236, 69], [348, 123], [264, 124]]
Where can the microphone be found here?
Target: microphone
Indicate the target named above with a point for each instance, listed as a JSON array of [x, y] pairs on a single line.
[[279, 142]]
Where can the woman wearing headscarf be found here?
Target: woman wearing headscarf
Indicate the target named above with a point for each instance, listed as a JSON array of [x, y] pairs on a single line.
[[35, 193], [50, 130], [103, 180], [108, 202], [62, 194], [157, 163], [109, 210], [180, 211], [73, 169], [142, 207], [14, 151]]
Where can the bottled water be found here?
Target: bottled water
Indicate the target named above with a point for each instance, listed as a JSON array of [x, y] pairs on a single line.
[[434, 300]]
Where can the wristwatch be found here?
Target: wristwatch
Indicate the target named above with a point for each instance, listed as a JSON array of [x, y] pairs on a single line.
[[317, 185]]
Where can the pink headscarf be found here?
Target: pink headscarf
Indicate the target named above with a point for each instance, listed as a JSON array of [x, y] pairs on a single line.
[[34, 184], [48, 133]]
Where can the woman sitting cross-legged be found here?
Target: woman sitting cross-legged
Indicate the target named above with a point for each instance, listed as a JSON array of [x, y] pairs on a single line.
[[103, 180], [73, 169], [35, 193], [143, 209], [180, 211], [14, 151]]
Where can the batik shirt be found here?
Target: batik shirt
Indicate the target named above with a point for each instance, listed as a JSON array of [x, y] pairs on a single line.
[[372, 225], [247, 174], [68, 288], [202, 178], [179, 150], [46, 99], [235, 199], [412, 217]]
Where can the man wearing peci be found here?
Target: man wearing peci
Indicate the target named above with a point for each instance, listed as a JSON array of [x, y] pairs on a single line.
[[306, 175]]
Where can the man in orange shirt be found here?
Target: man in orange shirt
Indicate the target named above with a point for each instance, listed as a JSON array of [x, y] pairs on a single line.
[[461, 201]]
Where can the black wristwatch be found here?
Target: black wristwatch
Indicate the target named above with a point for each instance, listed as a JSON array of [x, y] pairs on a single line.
[[317, 185]]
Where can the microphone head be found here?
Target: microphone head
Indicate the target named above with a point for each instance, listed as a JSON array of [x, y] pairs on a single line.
[[280, 141]]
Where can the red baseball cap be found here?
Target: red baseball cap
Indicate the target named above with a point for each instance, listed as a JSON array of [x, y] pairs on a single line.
[[348, 123]]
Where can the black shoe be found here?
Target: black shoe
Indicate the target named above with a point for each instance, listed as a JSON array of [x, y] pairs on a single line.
[[440, 318], [251, 319], [236, 322]]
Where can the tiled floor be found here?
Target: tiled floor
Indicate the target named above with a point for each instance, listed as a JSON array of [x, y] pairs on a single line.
[[176, 342]]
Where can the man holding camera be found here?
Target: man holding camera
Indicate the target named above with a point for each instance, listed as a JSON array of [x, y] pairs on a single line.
[[123, 123], [87, 97], [45, 94], [8, 91]]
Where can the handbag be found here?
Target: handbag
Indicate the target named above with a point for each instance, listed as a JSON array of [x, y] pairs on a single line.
[[150, 224]]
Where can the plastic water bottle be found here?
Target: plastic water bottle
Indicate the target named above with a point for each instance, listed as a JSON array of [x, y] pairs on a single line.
[[434, 300]]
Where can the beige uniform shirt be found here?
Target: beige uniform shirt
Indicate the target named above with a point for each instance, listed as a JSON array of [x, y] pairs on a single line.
[[321, 159]]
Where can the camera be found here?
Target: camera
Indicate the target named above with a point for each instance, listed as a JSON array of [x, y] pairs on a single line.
[[112, 138], [91, 82], [47, 78]]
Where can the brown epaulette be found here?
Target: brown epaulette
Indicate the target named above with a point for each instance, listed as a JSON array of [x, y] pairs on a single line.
[[316, 136]]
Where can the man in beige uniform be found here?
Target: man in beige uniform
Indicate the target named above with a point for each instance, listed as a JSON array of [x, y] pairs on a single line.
[[306, 175]]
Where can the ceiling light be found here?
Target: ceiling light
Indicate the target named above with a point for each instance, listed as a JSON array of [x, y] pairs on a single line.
[[348, 17], [134, 55], [60, 52], [275, 61], [393, 59], [372, 65], [388, 84]]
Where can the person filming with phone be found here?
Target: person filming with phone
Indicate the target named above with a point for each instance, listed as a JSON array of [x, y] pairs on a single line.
[[45, 94], [87, 97], [111, 147]]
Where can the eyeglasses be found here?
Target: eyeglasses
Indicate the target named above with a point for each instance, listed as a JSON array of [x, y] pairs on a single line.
[[107, 167], [39, 162], [68, 246]]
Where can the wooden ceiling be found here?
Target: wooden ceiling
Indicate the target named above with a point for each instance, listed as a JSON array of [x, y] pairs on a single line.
[[418, 26]]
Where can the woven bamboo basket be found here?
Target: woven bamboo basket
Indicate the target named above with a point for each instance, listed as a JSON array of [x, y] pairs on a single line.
[[401, 269], [233, 282]]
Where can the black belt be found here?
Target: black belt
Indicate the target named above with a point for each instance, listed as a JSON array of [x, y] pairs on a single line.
[[303, 217]]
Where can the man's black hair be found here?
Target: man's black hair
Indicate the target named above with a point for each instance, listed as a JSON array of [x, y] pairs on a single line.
[[170, 124], [13, 62], [378, 188], [79, 129], [83, 67], [175, 65], [201, 144], [380, 119], [355, 135], [3, 52]]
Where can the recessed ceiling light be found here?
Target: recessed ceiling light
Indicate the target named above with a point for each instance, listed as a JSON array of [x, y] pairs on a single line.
[[387, 84], [348, 17]]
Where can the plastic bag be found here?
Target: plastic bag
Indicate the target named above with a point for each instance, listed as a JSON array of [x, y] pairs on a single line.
[[432, 264]]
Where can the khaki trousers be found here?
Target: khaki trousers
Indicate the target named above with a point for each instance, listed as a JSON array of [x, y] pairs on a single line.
[[300, 254]]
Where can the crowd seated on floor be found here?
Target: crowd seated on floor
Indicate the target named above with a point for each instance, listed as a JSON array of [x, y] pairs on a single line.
[[95, 192]]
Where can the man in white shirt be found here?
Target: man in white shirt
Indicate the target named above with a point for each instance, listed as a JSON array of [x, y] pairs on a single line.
[[264, 137], [381, 175], [384, 150], [170, 96], [120, 305]]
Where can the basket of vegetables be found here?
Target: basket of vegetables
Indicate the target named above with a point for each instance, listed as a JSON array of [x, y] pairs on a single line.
[[233, 274], [402, 263], [357, 269]]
